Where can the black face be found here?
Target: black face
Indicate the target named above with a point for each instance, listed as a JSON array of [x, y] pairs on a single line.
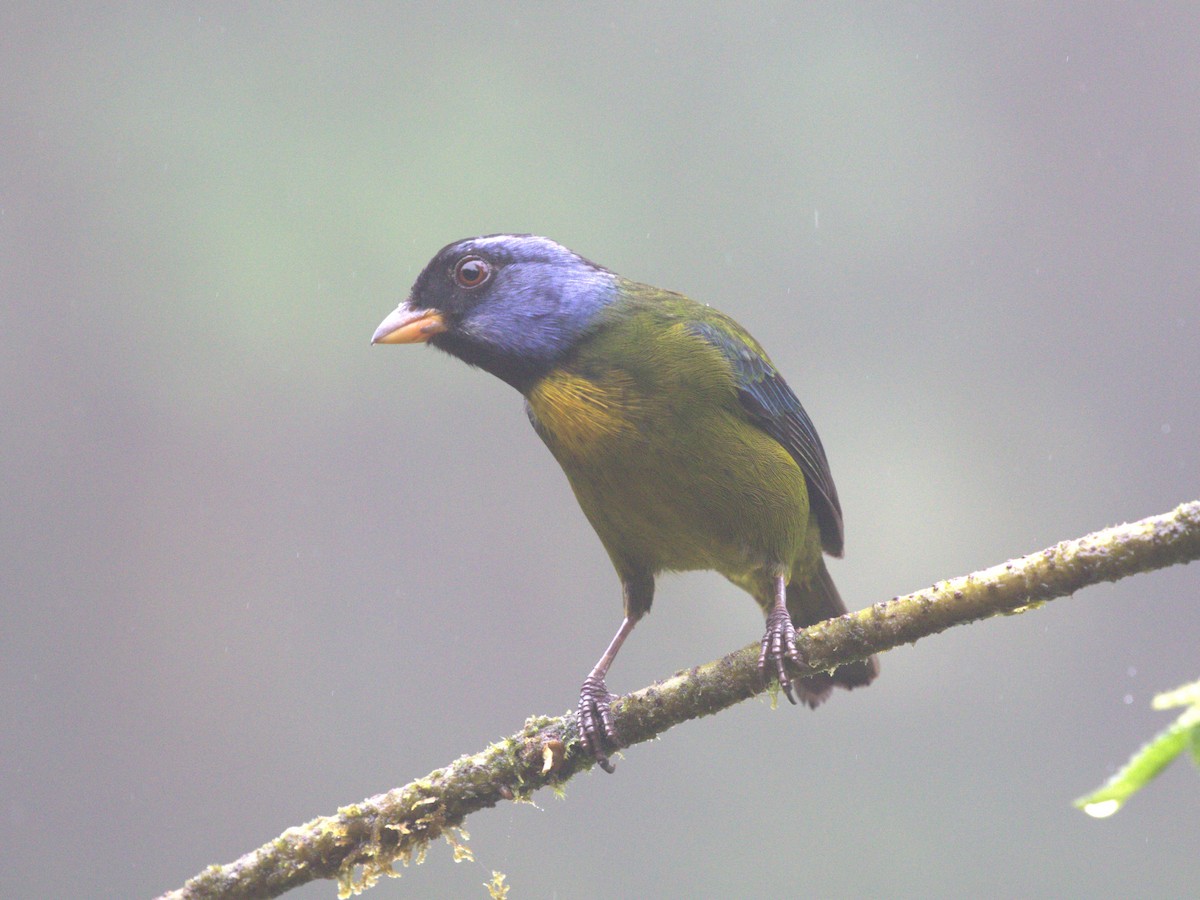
[[512, 304], [455, 281]]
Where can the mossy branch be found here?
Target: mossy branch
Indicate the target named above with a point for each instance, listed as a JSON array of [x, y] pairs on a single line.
[[362, 842]]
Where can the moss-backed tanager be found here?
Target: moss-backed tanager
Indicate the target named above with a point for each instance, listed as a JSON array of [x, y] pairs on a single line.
[[682, 442]]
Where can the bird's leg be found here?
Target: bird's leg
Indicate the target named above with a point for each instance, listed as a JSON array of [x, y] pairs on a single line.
[[779, 642], [596, 728]]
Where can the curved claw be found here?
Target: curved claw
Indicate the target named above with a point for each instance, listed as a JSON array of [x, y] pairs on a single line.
[[596, 729], [778, 647]]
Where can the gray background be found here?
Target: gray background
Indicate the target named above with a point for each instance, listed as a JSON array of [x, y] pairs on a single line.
[[254, 569]]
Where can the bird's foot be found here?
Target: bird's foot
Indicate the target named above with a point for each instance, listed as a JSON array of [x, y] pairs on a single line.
[[778, 648], [596, 729]]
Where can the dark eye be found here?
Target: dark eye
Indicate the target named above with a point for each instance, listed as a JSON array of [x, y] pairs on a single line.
[[471, 272]]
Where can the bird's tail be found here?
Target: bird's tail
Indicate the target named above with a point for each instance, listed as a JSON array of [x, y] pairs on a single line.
[[816, 600]]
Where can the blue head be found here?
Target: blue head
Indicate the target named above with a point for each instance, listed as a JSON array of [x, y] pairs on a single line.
[[512, 304]]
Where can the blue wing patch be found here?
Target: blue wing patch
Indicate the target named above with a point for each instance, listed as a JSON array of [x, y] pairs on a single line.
[[770, 404]]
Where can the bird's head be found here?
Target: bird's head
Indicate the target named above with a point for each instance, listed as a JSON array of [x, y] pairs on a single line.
[[512, 304]]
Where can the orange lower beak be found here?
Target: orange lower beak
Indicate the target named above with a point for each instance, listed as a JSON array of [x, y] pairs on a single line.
[[409, 326]]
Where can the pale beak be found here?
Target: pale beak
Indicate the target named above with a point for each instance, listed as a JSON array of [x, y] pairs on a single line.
[[406, 325]]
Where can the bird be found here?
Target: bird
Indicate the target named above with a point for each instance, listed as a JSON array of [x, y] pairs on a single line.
[[683, 444]]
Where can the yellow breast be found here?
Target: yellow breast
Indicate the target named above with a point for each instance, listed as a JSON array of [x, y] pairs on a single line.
[[583, 416]]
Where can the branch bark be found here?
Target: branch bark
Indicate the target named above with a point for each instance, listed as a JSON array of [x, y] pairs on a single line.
[[362, 842]]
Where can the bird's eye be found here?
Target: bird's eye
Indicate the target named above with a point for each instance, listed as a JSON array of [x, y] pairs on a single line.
[[471, 272]]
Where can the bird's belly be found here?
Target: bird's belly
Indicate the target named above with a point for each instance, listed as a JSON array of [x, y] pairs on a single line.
[[699, 496], [694, 522]]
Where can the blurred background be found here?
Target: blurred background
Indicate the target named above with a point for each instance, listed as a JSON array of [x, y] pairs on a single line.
[[255, 569]]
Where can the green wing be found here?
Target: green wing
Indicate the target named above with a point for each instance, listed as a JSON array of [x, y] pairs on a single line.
[[770, 404]]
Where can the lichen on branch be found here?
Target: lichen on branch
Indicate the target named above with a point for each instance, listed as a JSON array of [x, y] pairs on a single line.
[[363, 842]]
